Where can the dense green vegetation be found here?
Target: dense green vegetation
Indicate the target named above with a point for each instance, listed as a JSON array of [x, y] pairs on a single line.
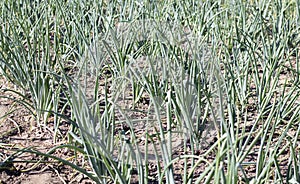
[[181, 68]]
